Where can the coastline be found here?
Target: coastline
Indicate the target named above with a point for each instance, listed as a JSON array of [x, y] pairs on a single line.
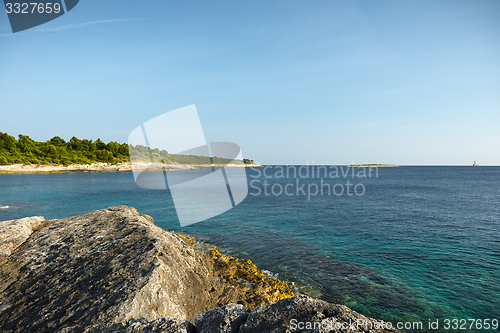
[[106, 167], [115, 270]]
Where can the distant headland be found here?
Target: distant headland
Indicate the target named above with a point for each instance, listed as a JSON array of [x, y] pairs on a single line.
[[25, 155]]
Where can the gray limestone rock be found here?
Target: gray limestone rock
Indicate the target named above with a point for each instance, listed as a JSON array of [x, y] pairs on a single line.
[[14, 232], [226, 319], [104, 268], [301, 313], [165, 324]]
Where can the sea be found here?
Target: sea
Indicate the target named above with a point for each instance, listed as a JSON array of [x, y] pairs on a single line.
[[414, 245]]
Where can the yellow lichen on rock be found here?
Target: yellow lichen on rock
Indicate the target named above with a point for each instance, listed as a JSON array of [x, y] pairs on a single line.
[[189, 239], [255, 286], [260, 281]]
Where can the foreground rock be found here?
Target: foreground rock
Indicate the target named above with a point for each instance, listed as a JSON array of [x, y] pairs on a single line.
[[113, 270], [14, 233], [297, 314], [227, 319], [165, 324], [104, 267], [306, 314]]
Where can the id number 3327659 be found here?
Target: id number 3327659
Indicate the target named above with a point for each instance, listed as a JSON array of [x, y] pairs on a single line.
[[32, 7]]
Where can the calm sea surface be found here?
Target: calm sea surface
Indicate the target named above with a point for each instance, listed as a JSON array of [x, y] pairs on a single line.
[[420, 243]]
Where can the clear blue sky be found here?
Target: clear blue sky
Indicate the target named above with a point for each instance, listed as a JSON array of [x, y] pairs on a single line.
[[291, 82]]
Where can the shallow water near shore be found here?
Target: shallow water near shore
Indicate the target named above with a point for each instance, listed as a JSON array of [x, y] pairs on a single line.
[[420, 243]]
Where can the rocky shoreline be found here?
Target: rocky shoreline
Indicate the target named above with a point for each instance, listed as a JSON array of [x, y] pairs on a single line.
[[114, 270], [105, 167]]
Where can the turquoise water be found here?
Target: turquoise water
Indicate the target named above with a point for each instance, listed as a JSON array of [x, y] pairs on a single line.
[[421, 243]]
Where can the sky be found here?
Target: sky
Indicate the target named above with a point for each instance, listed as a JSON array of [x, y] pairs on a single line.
[[290, 82]]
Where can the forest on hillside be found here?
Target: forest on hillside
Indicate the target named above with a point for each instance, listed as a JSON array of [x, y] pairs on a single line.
[[25, 150]]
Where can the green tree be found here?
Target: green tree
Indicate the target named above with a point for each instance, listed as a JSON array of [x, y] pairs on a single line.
[[123, 150], [7, 142], [26, 144], [57, 141], [75, 144], [99, 145], [113, 147]]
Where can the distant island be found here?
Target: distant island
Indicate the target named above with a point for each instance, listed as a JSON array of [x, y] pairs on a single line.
[[375, 165], [57, 155]]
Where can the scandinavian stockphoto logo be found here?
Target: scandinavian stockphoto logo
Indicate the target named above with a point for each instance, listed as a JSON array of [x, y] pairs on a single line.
[[198, 194], [29, 14]]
